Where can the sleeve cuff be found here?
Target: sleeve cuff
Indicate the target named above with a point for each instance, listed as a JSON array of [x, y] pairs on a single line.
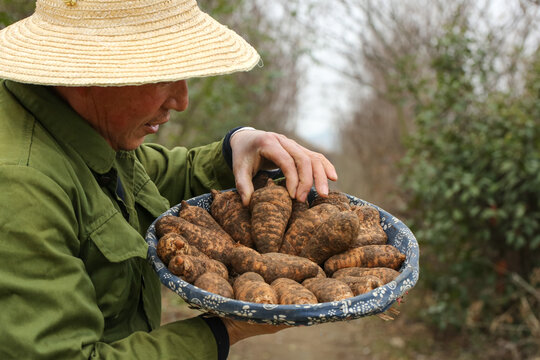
[[226, 148], [220, 333]]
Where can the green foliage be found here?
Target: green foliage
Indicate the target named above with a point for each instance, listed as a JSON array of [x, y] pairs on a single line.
[[13, 10], [220, 103], [472, 171]]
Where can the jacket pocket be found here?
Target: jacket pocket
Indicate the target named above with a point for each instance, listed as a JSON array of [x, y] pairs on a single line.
[[117, 240], [150, 199], [113, 258], [149, 204]]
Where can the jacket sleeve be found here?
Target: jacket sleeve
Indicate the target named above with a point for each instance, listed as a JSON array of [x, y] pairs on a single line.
[[181, 173], [48, 302]]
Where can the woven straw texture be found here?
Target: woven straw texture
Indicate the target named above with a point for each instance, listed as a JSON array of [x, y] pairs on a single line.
[[119, 42]]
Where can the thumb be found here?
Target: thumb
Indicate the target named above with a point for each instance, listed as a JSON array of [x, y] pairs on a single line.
[[244, 185]]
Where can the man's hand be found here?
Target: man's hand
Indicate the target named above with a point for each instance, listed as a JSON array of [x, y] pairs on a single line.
[[239, 330], [254, 150]]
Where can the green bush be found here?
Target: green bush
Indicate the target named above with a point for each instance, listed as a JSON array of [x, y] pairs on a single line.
[[11, 10], [472, 173]]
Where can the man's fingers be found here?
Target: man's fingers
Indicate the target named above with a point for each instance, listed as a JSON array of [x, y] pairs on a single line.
[[239, 330], [323, 170], [245, 189], [302, 166], [244, 185], [329, 169], [319, 176], [283, 159]]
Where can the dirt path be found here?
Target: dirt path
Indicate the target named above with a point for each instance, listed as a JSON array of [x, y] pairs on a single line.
[[362, 339]]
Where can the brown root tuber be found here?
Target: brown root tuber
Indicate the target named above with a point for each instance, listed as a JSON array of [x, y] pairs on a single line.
[[232, 216], [172, 244], [362, 284], [333, 236], [272, 266], [336, 198], [385, 274], [190, 267], [216, 245], [371, 231], [200, 217], [270, 209], [366, 256], [303, 228], [290, 292], [328, 289], [166, 224], [252, 287], [298, 208], [214, 283]]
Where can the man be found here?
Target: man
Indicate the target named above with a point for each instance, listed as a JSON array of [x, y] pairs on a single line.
[[86, 81]]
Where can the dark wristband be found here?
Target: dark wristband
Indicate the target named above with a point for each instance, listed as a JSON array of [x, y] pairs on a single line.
[[220, 333], [226, 147]]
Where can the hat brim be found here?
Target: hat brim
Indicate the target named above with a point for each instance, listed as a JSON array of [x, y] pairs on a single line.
[[35, 51]]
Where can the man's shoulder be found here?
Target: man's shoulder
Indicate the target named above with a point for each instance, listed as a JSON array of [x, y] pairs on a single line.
[[16, 129], [22, 139]]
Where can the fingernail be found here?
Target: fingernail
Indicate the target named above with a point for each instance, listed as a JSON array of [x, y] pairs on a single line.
[[292, 193], [324, 189]]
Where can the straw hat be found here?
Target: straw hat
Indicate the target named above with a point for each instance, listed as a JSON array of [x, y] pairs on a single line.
[[119, 42]]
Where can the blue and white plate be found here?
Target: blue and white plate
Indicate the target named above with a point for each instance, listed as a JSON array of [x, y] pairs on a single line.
[[371, 303]]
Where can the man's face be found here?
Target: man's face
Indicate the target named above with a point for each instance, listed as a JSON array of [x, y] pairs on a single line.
[[125, 115]]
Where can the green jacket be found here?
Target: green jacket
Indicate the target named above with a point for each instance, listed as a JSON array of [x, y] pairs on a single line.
[[74, 279]]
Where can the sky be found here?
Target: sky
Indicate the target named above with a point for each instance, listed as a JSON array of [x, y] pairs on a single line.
[[324, 99], [322, 103]]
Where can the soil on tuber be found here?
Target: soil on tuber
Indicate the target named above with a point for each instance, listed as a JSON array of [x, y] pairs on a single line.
[[328, 289], [232, 216], [270, 209], [335, 235], [290, 292], [366, 256], [272, 266], [252, 287]]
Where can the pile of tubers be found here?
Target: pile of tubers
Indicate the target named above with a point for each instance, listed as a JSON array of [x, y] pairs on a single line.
[[279, 250]]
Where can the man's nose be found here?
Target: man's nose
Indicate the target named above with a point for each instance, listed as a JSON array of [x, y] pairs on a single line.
[[178, 96]]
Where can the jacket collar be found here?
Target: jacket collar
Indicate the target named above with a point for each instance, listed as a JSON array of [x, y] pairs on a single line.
[[65, 125]]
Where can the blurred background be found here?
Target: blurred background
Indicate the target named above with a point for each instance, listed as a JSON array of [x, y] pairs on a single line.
[[429, 109]]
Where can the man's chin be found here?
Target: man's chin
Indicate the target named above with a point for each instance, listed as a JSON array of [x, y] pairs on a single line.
[[132, 145]]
